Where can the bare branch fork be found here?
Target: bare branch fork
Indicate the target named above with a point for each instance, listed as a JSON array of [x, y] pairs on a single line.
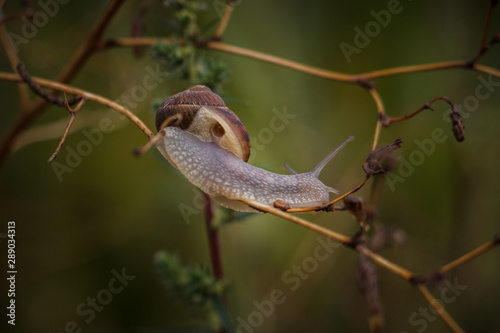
[[86, 50], [419, 281], [70, 122], [84, 95]]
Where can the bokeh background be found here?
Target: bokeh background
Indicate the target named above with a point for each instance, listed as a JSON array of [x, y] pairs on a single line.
[[114, 211]]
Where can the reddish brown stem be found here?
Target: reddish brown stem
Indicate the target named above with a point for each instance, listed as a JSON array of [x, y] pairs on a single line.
[[213, 239], [214, 246], [487, 23], [387, 121], [86, 49]]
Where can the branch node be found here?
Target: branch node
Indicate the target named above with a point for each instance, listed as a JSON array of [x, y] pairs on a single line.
[[368, 85], [380, 160], [357, 239], [384, 120], [70, 122], [428, 106], [35, 87], [329, 207], [469, 64], [109, 43], [496, 239], [432, 277]]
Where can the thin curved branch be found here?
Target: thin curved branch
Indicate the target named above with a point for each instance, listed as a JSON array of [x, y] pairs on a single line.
[[70, 122], [387, 121], [78, 60], [323, 73], [360, 78], [85, 95], [487, 22], [470, 255], [14, 61], [439, 309], [413, 69], [329, 206], [381, 114], [225, 20]]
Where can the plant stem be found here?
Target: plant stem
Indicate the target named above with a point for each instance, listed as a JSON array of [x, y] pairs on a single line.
[[215, 255], [213, 238], [470, 255], [80, 92]]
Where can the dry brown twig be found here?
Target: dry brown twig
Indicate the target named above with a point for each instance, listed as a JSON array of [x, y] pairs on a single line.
[[81, 56], [70, 122], [84, 95], [95, 42]]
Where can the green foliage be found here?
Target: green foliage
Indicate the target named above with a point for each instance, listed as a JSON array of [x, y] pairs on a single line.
[[195, 285], [185, 16], [181, 56]]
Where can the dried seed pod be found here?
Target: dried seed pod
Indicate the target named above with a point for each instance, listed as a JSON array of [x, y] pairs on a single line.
[[355, 205], [374, 164], [457, 125]]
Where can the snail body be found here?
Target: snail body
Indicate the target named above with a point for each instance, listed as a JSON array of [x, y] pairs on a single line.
[[209, 145]]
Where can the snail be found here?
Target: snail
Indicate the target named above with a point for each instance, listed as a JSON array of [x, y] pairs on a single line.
[[209, 145]]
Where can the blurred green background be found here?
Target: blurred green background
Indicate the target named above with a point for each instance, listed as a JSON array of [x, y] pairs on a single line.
[[114, 211]]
